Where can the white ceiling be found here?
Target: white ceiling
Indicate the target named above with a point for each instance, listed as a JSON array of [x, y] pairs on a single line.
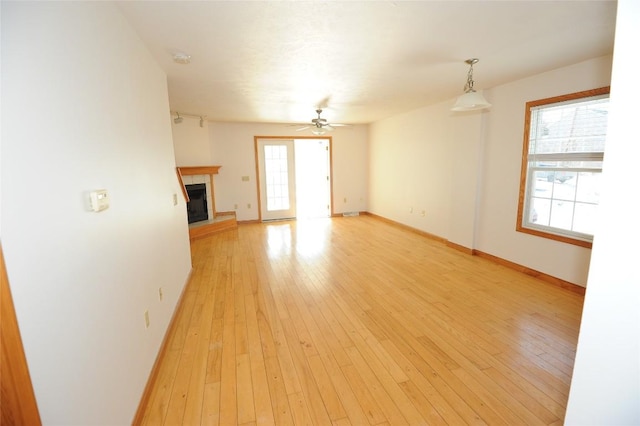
[[276, 61]]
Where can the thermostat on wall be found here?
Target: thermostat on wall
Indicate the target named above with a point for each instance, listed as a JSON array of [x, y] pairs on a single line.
[[99, 200]]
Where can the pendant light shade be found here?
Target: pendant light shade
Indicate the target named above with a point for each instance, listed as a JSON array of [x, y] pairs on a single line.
[[318, 131], [470, 100]]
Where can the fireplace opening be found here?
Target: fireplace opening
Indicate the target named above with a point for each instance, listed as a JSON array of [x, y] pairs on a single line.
[[197, 204]]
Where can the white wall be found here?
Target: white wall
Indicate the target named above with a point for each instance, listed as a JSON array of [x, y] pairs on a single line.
[[408, 160], [605, 388], [501, 172], [86, 107], [463, 170], [233, 149], [191, 142]]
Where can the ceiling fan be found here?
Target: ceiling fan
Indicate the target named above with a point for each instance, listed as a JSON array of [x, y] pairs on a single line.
[[319, 125]]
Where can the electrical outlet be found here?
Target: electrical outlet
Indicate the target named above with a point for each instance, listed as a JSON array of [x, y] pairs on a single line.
[[345, 199], [146, 319], [175, 199], [423, 213], [249, 205], [235, 207], [160, 294]]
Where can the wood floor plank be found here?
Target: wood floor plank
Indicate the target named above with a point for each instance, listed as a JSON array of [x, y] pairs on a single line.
[[393, 401], [262, 399], [362, 392], [427, 410], [532, 404], [353, 321], [160, 397], [193, 405], [246, 408], [211, 405], [330, 398], [309, 388], [214, 360], [467, 404], [417, 373], [228, 378], [345, 393], [277, 392]]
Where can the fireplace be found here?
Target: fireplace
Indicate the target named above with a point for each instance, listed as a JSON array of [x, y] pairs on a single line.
[[197, 204]]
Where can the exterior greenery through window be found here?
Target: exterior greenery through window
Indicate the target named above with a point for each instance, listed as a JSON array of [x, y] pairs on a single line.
[[562, 164]]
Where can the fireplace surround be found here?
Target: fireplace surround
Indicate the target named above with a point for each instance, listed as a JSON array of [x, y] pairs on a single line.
[[215, 221]]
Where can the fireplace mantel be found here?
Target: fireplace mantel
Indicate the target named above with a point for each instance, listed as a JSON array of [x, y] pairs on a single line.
[[199, 170]]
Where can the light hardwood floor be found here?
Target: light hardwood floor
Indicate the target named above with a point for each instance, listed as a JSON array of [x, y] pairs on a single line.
[[355, 321]]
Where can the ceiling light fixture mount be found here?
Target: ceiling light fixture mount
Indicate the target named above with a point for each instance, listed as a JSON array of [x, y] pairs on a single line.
[[181, 58], [470, 100]]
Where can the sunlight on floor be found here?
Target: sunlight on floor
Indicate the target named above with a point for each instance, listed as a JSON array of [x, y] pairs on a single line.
[[279, 239], [304, 237], [311, 236]]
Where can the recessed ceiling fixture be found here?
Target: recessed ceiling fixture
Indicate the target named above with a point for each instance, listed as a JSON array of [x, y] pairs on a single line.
[[470, 100], [181, 58], [178, 119]]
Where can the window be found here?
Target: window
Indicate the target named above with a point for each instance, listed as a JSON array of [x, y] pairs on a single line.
[[562, 164]]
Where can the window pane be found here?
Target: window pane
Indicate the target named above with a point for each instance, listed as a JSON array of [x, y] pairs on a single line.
[[588, 188], [541, 211], [561, 215], [584, 218], [569, 127], [564, 186]]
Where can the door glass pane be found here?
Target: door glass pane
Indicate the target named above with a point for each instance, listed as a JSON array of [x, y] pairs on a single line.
[[277, 177]]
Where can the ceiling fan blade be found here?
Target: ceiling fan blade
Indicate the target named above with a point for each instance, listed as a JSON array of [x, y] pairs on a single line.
[[339, 125], [303, 128]]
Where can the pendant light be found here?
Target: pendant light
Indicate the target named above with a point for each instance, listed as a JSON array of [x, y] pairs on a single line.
[[470, 100]]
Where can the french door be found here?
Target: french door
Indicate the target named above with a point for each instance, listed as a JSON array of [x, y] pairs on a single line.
[[276, 165], [313, 172]]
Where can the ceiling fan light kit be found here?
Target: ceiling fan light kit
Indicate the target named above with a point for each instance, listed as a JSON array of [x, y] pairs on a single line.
[[320, 126], [470, 100]]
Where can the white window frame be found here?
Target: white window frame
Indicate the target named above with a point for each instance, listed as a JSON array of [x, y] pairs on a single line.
[[529, 167]]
